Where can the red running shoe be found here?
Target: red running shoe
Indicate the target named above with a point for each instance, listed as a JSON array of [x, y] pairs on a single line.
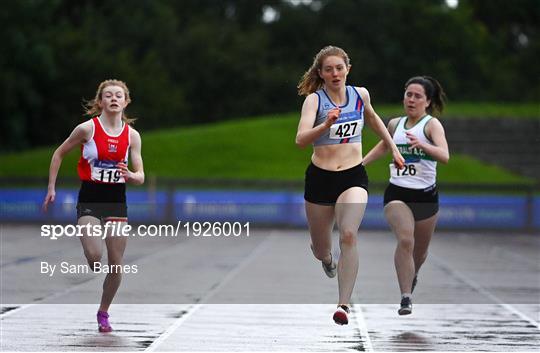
[[341, 315]]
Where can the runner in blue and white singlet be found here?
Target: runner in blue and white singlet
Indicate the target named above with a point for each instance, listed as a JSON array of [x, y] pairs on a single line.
[[336, 183], [348, 127]]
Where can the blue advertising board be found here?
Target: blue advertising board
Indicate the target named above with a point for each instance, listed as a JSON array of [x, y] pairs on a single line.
[[536, 213], [268, 207]]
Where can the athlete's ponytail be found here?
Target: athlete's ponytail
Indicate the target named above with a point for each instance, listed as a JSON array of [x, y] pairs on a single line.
[[434, 93], [92, 106], [311, 81]]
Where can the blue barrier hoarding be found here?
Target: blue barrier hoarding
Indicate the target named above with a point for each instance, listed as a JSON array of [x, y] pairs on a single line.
[[268, 207], [483, 212], [242, 206], [536, 213], [146, 207], [21, 204]]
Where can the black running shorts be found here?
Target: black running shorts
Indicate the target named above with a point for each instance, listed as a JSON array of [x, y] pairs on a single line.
[[324, 186], [102, 201], [423, 203]]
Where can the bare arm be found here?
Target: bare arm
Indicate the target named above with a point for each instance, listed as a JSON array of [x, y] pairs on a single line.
[[435, 132], [137, 175], [307, 134], [78, 136], [378, 127], [380, 148]]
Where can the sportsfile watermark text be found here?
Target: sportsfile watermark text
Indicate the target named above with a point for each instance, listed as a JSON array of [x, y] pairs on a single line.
[[121, 229]]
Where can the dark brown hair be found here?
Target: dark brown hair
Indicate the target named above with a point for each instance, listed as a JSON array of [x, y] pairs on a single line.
[[434, 93]]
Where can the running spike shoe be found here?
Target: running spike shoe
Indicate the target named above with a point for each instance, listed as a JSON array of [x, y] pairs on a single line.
[[103, 321], [414, 281], [341, 315], [405, 306], [331, 268]]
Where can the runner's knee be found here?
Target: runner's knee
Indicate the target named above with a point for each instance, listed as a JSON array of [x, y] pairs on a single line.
[[92, 256], [347, 238], [406, 244]]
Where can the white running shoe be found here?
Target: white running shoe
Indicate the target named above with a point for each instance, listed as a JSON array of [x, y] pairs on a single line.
[[331, 268]]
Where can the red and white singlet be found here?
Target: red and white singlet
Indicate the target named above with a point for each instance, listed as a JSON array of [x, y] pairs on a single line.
[[102, 152]]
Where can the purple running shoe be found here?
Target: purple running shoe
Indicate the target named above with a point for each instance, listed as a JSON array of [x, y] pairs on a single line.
[[103, 322]]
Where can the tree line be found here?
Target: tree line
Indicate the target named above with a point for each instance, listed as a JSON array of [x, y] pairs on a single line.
[[200, 61]]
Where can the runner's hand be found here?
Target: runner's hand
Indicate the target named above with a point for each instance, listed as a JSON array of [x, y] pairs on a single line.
[[399, 161], [124, 171], [414, 142], [51, 195], [332, 117]]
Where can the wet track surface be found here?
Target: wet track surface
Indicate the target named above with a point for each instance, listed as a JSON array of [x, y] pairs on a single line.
[[476, 292]]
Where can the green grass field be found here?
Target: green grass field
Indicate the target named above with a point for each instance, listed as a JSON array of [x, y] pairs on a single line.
[[256, 148]]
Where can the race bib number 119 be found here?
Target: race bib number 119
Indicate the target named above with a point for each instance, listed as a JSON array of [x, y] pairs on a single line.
[[106, 172]]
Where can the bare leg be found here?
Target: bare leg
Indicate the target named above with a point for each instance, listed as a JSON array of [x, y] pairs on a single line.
[[115, 253], [401, 220], [92, 245], [350, 208], [423, 230], [321, 222]]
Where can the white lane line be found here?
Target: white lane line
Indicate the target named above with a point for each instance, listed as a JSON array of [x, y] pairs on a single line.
[[49, 297], [360, 320], [19, 308], [190, 311], [517, 257], [142, 260], [484, 291]]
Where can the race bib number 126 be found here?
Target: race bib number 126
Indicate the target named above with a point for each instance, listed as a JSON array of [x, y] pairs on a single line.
[[411, 169]]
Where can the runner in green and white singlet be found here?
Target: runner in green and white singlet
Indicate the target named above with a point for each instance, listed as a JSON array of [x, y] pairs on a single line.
[[411, 199], [420, 168]]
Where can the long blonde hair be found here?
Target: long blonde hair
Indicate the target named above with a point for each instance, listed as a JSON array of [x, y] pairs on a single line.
[[311, 81], [92, 106]]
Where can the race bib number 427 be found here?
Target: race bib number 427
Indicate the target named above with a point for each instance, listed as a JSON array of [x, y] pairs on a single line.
[[345, 130]]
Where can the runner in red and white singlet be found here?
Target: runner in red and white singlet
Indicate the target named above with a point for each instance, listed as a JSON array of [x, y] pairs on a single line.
[[105, 140]]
